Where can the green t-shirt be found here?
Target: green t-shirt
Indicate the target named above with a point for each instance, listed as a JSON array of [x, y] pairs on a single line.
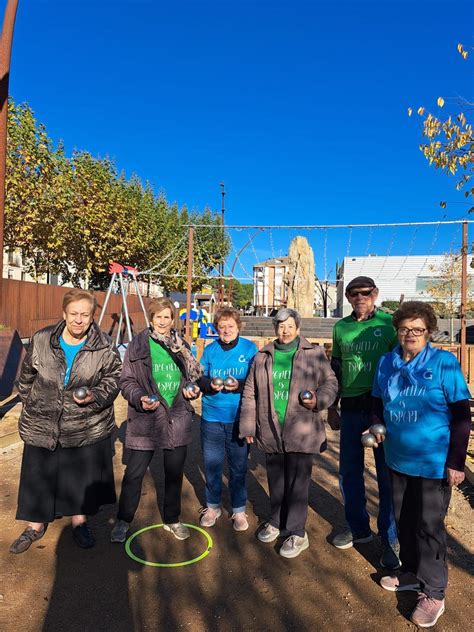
[[360, 344], [282, 370], [165, 372]]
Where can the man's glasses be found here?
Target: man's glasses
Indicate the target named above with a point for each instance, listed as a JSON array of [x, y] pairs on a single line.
[[416, 331], [354, 293]]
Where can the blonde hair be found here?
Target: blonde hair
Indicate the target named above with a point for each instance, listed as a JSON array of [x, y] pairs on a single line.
[[157, 305]]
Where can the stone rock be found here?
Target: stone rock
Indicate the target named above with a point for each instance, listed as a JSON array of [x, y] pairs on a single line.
[[301, 277]]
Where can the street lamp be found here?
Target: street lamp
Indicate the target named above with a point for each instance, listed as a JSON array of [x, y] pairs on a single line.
[[221, 292]]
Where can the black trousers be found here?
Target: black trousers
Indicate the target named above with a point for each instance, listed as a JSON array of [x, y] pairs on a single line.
[[420, 506], [289, 475], [137, 465]]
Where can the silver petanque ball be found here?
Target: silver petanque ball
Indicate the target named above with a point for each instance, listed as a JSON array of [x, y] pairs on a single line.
[[81, 392], [378, 429], [229, 381], [368, 440], [305, 395], [152, 398], [217, 381], [190, 388]]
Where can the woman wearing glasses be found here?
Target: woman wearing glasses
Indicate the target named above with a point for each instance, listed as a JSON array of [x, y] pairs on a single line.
[[421, 394]]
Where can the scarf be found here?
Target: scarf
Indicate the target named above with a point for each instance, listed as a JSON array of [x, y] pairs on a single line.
[[175, 344], [286, 346], [404, 373]]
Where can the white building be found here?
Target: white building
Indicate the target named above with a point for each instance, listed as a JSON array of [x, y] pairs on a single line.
[[270, 290], [406, 276]]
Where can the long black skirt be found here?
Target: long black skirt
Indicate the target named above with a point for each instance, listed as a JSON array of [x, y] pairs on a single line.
[[65, 481]]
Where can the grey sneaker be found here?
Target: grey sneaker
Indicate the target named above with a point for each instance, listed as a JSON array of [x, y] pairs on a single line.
[[427, 611], [346, 539], [209, 516], [26, 539], [119, 532], [178, 529], [269, 533], [399, 582], [294, 545], [389, 558]]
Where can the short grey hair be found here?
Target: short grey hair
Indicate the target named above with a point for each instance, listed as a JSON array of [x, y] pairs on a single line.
[[283, 314]]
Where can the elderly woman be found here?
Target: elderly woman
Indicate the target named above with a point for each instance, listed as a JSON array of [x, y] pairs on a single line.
[[423, 398], [286, 422], [67, 459], [157, 369], [226, 363]]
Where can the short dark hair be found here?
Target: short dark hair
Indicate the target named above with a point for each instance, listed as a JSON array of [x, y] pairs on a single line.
[[226, 313], [416, 309], [78, 294]]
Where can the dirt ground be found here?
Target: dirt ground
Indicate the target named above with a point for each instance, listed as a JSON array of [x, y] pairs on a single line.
[[242, 585]]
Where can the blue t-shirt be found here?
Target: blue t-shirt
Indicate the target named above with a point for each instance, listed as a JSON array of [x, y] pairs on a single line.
[[70, 351], [224, 406], [418, 417]]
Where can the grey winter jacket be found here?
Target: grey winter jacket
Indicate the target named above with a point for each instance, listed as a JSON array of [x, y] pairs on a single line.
[[166, 427], [303, 430], [50, 414]]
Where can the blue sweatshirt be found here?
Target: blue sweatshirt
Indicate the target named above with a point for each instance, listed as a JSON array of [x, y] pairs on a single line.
[[223, 406]]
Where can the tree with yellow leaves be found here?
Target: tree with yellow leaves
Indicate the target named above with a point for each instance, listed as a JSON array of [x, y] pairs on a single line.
[[450, 144]]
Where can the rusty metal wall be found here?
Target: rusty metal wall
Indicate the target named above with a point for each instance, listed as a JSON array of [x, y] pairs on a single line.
[[28, 307]]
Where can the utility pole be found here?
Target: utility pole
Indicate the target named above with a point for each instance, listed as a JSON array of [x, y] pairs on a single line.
[[189, 284], [464, 359], [221, 291], [5, 57]]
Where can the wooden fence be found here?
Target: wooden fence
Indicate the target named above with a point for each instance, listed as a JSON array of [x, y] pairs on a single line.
[[28, 307]]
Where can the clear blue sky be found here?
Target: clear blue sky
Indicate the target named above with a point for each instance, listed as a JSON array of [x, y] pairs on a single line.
[[299, 107]]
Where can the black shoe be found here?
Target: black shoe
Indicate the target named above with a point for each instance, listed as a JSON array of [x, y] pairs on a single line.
[[26, 539], [389, 558], [83, 537]]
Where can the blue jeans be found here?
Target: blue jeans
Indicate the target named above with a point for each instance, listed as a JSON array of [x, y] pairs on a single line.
[[351, 479], [217, 440]]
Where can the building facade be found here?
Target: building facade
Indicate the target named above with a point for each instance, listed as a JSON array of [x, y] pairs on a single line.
[[410, 277]]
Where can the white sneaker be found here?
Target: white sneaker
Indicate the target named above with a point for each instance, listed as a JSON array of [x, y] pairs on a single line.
[[294, 545], [240, 521], [209, 516], [178, 529], [269, 533]]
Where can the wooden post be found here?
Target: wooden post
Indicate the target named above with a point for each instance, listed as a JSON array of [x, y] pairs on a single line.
[[464, 366], [5, 56], [189, 284]]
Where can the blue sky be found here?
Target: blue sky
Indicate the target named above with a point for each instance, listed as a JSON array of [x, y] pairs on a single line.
[[299, 107]]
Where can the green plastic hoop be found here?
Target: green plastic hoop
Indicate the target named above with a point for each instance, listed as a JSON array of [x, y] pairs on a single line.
[[162, 564]]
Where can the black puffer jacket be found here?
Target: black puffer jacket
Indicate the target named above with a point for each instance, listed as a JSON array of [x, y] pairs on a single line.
[[50, 414]]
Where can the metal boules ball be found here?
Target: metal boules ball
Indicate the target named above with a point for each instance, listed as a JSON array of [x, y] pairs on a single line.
[[376, 429], [368, 440], [217, 381], [152, 398], [229, 381], [81, 392], [305, 395], [190, 388]]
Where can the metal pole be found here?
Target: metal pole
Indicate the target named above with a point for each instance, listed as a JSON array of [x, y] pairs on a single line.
[[141, 300], [464, 366], [5, 57], [189, 284], [221, 293], [125, 307], [107, 297]]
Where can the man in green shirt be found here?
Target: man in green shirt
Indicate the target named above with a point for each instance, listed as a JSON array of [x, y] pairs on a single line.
[[359, 340]]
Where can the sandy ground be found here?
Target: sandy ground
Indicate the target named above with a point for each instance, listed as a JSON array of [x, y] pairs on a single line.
[[241, 585]]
